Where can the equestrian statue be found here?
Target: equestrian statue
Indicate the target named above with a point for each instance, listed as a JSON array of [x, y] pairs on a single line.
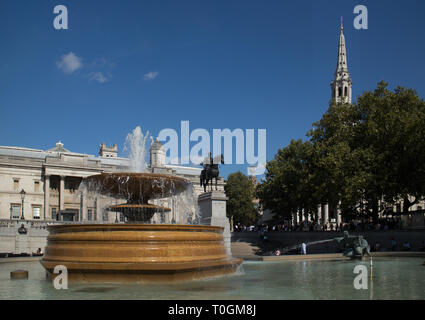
[[210, 171]]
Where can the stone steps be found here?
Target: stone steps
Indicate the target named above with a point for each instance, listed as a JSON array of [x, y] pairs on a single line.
[[240, 249]]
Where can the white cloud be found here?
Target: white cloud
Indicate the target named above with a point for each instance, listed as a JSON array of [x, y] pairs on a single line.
[[99, 77], [69, 63], [151, 75]]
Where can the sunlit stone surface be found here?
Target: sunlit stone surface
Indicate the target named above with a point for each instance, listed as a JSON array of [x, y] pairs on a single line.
[[138, 252]]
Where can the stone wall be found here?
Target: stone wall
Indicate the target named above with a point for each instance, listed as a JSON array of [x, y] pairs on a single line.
[[12, 242], [279, 240]]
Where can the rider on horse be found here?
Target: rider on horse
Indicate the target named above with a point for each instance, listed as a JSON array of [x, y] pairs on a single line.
[[210, 171]]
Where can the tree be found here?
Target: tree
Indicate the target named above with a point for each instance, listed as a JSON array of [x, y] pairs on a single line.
[[359, 157], [343, 163], [241, 191], [394, 123], [288, 185]]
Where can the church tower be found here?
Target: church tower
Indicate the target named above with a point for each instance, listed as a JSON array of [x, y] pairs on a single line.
[[342, 84]]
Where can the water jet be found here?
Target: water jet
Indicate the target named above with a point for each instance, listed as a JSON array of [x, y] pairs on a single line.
[[137, 251]]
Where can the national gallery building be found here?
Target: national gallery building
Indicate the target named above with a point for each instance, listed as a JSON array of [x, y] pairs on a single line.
[[42, 186]]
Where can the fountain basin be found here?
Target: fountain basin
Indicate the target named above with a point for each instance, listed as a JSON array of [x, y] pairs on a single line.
[[137, 252], [136, 186]]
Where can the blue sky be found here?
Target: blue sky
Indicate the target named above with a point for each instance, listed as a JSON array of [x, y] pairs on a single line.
[[219, 64]]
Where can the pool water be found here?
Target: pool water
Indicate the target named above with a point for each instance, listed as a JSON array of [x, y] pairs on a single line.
[[395, 278]]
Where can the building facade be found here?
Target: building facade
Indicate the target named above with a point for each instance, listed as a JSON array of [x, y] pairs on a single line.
[[42, 186]]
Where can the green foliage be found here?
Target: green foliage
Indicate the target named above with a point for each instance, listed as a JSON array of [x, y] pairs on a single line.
[[241, 191], [358, 155], [288, 185]]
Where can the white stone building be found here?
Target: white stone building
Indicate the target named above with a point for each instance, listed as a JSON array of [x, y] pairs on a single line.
[[50, 180]]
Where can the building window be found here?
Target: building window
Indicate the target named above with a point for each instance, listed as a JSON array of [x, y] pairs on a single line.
[[340, 92], [16, 184], [346, 92], [105, 215], [89, 214], [36, 186], [398, 207], [15, 210], [36, 212], [122, 218]]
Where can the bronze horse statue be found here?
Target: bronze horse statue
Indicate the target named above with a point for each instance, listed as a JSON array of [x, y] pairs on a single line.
[[210, 172]]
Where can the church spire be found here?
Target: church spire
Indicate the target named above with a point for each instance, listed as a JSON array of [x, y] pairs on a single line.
[[342, 84]]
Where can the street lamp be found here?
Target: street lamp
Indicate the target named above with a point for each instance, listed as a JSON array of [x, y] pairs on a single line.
[[22, 193], [116, 213]]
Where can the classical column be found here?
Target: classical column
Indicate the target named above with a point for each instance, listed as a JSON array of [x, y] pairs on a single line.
[[98, 211], [46, 197], [319, 214], [306, 215], [338, 216], [295, 218], [326, 214], [62, 194], [84, 205]]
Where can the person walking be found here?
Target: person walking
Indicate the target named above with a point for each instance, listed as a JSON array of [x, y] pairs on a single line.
[[303, 248]]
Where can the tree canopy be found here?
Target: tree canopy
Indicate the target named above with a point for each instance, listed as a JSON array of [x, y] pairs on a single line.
[[240, 191], [362, 156]]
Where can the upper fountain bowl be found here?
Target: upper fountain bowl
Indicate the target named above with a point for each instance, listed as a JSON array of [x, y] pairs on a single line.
[[136, 187]]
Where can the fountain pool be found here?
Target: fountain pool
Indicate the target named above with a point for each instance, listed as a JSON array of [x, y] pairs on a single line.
[[393, 278]]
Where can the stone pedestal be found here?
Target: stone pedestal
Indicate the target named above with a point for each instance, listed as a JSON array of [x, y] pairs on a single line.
[[22, 244], [212, 207]]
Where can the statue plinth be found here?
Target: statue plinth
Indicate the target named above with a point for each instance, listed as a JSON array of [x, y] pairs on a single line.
[[212, 207]]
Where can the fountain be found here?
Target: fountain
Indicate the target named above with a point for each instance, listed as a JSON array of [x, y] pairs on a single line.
[[354, 247], [137, 251]]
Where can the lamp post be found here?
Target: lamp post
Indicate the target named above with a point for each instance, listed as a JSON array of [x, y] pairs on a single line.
[[116, 213], [22, 193]]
